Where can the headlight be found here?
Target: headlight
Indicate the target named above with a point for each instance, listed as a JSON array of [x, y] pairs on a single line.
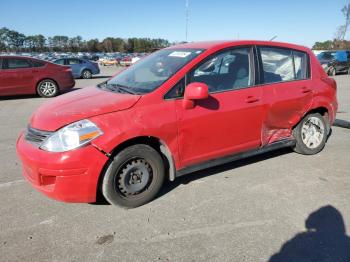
[[72, 136]]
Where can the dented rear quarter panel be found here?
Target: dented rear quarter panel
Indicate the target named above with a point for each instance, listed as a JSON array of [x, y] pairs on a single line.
[[285, 104]]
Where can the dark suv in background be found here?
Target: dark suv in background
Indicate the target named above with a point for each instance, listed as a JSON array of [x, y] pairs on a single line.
[[334, 62]]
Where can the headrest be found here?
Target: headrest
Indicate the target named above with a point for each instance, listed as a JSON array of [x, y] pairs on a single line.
[[242, 73]]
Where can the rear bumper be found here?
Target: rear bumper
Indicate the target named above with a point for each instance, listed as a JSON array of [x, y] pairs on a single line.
[[70, 176], [66, 83]]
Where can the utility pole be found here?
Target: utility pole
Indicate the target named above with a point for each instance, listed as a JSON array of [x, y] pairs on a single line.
[[187, 18]]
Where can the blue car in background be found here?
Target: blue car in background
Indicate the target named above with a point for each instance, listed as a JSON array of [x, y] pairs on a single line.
[[81, 68]]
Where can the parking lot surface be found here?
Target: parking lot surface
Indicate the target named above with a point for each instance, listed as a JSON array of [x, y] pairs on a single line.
[[269, 207]]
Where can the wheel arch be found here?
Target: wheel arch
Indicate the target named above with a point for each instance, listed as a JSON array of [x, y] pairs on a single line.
[[323, 111]]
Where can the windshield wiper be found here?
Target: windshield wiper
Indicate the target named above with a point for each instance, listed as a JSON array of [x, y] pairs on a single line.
[[117, 88], [126, 89]]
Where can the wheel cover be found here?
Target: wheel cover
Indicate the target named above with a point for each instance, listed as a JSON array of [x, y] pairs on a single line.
[[47, 88], [312, 132], [134, 177], [86, 74]]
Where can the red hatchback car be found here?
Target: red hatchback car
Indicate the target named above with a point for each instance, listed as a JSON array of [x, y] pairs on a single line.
[[181, 109], [24, 75]]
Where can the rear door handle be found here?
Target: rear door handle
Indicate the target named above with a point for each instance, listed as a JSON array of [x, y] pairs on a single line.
[[251, 99], [305, 89]]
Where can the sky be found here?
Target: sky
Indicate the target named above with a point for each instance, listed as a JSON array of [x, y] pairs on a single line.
[[297, 21]]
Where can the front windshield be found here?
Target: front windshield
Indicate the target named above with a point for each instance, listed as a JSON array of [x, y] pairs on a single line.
[[152, 71]]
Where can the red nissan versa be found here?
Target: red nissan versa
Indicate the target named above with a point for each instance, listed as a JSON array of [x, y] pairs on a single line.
[[24, 75], [181, 109]]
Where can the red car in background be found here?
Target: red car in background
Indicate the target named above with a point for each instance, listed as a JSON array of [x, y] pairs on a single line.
[[24, 75], [178, 110]]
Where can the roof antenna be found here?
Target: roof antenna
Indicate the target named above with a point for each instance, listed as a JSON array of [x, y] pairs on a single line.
[[273, 38]]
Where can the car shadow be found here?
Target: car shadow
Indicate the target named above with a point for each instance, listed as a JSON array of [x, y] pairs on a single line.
[[341, 123], [97, 77], [324, 240], [16, 97], [183, 180], [70, 90]]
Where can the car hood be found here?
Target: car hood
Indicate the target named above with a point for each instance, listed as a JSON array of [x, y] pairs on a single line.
[[77, 105]]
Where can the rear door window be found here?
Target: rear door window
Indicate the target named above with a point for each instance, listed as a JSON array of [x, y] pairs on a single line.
[[17, 63], [277, 64], [282, 64], [74, 61], [37, 63]]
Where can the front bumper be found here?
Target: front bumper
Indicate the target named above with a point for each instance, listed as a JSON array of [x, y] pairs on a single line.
[[69, 176]]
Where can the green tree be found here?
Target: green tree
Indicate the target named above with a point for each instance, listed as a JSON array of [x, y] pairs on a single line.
[[326, 45], [92, 45]]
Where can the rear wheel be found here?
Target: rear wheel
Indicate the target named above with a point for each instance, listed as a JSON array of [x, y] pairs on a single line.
[[47, 88], [86, 74], [310, 134], [134, 177]]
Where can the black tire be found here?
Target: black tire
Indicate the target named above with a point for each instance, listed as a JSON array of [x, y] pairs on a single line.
[[118, 184], [86, 74], [47, 88], [301, 146]]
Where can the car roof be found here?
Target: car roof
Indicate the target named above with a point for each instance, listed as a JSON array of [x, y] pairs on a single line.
[[229, 43], [21, 56]]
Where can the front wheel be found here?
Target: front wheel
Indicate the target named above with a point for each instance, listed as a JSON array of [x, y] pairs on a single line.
[[134, 177], [47, 88], [310, 134]]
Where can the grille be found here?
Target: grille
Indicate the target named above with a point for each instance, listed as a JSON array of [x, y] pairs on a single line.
[[36, 136]]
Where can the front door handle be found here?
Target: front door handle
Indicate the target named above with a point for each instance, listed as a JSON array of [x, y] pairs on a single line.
[[251, 99], [305, 89]]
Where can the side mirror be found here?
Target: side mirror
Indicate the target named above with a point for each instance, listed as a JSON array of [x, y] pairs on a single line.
[[194, 91]]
